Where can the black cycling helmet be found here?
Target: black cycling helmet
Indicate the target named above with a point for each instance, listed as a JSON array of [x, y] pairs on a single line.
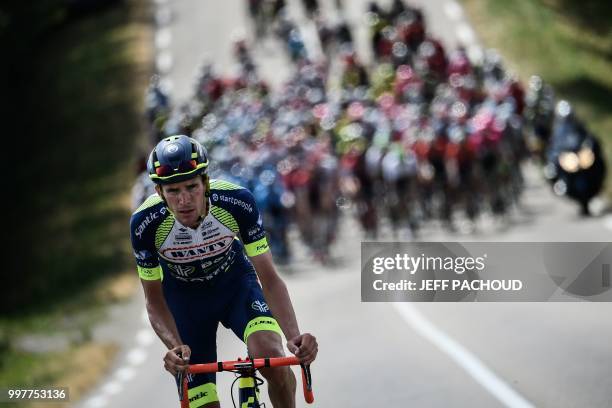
[[177, 158]]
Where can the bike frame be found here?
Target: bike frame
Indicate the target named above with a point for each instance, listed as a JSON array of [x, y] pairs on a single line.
[[248, 387]]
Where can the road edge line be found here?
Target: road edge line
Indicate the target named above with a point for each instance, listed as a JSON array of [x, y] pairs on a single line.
[[462, 357]]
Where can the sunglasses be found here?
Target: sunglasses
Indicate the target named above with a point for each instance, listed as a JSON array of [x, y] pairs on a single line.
[[183, 167]]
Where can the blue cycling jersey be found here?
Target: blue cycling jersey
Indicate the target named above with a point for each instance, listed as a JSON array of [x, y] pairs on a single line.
[[164, 248], [206, 277]]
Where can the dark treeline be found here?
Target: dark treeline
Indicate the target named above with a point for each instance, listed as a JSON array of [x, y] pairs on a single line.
[[39, 149]]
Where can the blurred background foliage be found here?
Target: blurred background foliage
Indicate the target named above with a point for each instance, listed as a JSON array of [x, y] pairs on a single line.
[[75, 71], [568, 43]]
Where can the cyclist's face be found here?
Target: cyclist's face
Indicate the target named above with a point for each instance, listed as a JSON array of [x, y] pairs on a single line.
[[186, 200]]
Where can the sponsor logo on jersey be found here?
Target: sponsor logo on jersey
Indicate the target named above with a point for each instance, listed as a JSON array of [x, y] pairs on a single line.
[[260, 322], [142, 255], [207, 233], [234, 201], [183, 237], [260, 234], [199, 251], [209, 236], [253, 231], [215, 197], [219, 264], [148, 272], [143, 225], [208, 264], [260, 306], [201, 394], [261, 247], [145, 264], [182, 270]]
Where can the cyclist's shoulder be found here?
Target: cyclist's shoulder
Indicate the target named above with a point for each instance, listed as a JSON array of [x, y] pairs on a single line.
[[151, 212], [222, 191], [230, 197], [218, 185], [153, 203]]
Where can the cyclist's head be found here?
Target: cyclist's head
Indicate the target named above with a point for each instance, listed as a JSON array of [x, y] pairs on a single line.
[[175, 159], [178, 166]]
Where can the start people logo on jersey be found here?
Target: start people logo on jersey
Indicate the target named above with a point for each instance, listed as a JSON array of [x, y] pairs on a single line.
[[232, 200], [205, 249]]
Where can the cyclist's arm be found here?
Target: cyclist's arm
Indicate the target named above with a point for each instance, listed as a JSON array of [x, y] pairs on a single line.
[[142, 231], [276, 294], [160, 317], [275, 291]]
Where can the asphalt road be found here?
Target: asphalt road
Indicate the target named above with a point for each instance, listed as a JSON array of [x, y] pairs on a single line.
[[382, 354]]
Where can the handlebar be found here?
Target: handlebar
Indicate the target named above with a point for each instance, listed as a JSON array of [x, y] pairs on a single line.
[[254, 364]]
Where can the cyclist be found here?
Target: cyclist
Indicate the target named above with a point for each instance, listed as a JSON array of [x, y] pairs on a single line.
[[195, 272]]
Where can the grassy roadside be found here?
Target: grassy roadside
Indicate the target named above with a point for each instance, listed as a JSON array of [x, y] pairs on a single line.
[[76, 365], [567, 43], [80, 111], [76, 369]]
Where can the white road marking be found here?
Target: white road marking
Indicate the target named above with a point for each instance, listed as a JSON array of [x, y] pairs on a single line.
[[125, 374], [466, 34], [463, 357], [164, 62], [163, 16], [608, 222], [136, 356], [163, 38], [97, 401], [453, 10], [145, 337], [112, 388]]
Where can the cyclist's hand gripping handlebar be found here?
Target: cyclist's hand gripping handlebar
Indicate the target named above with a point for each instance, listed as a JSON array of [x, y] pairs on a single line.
[[247, 364]]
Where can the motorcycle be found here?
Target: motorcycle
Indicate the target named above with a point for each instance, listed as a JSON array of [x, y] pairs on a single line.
[[575, 164]]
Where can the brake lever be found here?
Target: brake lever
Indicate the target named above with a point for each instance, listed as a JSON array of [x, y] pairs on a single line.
[[307, 375], [179, 378]]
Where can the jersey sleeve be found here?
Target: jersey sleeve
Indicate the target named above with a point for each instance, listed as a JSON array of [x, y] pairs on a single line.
[[250, 224], [143, 245]]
